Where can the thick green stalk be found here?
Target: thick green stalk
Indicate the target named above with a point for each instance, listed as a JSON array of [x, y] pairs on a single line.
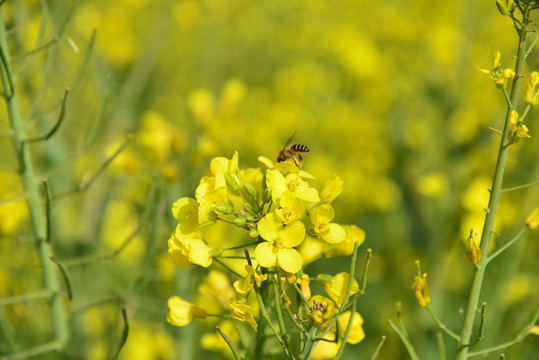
[[495, 193], [35, 207]]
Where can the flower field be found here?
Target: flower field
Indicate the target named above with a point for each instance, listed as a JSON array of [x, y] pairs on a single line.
[[152, 208]]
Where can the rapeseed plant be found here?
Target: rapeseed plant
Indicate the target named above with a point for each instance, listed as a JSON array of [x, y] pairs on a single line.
[[278, 210]]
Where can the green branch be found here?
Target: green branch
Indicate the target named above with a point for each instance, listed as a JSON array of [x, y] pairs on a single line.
[[495, 194]]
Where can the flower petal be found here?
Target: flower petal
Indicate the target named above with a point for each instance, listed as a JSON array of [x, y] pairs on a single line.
[[265, 254], [290, 260], [293, 234], [335, 235], [268, 228]]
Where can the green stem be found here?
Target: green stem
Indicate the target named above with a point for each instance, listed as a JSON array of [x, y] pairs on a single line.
[[496, 191], [409, 347], [231, 345], [35, 208], [441, 325], [267, 319], [509, 243]]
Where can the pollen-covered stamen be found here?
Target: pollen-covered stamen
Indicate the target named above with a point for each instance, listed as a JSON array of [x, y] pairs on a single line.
[[318, 306]]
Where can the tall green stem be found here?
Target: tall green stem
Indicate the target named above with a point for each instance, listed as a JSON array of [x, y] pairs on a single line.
[[496, 191], [35, 207]]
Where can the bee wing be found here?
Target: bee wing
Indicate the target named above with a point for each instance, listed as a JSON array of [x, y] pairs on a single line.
[[289, 140]]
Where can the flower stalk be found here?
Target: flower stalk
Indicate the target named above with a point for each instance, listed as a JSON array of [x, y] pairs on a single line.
[[35, 206], [495, 193]]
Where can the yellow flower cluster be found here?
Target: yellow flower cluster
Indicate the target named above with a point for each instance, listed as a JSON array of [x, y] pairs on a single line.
[[280, 212]]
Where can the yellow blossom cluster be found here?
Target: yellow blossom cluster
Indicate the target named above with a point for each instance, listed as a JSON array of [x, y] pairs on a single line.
[[281, 213]]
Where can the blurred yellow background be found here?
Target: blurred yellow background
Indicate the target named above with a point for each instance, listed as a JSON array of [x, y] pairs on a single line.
[[387, 95]]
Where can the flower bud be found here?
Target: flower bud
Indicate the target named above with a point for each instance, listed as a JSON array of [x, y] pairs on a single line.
[[240, 221], [253, 234], [232, 182], [505, 6], [250, 190], [266, 195], [532, 221], [532, 94], [332, 188], [223, 208], [247, 207]]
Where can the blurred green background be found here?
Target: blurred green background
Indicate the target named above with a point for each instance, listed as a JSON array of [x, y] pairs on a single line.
[[388, 95]]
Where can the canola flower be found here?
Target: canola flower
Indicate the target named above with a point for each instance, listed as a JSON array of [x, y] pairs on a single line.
[[279, 210]]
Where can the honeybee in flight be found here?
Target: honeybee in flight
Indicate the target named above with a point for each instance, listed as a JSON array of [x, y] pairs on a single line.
[[289, 152]]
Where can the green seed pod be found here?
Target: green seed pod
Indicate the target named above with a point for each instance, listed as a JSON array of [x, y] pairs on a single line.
[[240, 221], [232, 182], [225, 209], [250, 189], [253, 233], [266, 195]]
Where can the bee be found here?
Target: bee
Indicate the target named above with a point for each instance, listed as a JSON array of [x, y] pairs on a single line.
[[289, 152]]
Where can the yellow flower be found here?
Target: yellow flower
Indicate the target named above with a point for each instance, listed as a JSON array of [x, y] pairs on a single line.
[[532, 94], [517, 128], [304, 286], [321, 217], [291, 209], [532, 221], [243, 312], [279, 183], [280, 240], [244, 285], [220, 165], [214, 292], [421, 290], [186, 211], [331, 189], [336, 286], [187, 250], [182, 312], [322, 309], [473, 248], [209, 193], [500, 75], [356, 331], [353, 235]]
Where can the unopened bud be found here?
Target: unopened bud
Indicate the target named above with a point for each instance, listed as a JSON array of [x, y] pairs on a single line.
[[505, 6], [532, 221], [266, 195], [250, 190], [247, 207], [223, 208], [232, 182], [253, 233], [240, 221]]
